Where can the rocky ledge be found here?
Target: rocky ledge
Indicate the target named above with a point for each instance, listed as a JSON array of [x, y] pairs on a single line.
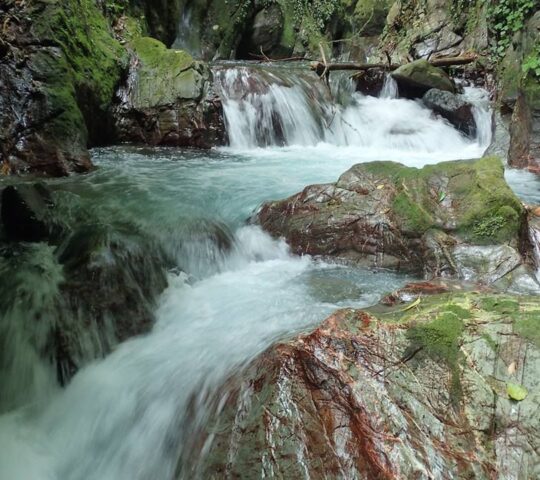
[[444, 386], [168, 99], [451, 219]]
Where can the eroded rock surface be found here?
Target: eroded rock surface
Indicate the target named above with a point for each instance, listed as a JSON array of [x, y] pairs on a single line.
[[452, 219], [388, 393]]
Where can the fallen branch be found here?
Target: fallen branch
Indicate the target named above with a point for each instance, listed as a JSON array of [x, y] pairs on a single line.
[[325, 67]]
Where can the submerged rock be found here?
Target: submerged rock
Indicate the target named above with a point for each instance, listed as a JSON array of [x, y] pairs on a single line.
[[168, 100], [112, 278], [429, 220], [453, 108], [416, 78], [403, 392]]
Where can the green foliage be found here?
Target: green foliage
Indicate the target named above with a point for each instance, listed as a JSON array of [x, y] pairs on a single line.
[[115, 8], [531, 64], [506, 17]]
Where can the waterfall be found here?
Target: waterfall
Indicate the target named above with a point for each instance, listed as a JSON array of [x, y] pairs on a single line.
[[278, 106], [390, 88]]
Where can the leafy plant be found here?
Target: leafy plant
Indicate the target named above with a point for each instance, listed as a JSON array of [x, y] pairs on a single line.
[[506, 17], [531, 64]]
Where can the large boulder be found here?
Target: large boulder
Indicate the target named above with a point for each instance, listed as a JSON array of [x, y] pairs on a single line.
[[59, 68], [414, 79], [383, 214], [414, 390], [168, 99], [453, 108], [435, 28]]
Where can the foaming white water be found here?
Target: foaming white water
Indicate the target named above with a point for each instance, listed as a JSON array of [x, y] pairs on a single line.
[[122, 418], [277, 108]]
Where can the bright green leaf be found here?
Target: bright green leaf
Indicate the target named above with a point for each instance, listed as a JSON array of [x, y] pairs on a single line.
[[516, 392]]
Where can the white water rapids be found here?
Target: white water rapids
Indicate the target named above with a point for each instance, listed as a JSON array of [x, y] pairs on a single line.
[[121, 418]]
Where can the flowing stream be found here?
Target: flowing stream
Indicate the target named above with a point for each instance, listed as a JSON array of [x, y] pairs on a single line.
[[122, 417]]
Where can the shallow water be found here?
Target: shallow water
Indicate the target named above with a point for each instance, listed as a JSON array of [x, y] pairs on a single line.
[[123, 417]]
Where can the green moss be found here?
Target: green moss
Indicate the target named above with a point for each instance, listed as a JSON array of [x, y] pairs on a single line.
[[156, 55], [458, 310], [440, 340], [527, 325], [497, 225], [414, 217], [80, 81], [486, 209], [499, 305]]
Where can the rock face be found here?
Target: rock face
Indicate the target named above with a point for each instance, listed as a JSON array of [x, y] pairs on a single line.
[[435, 28], [519, 97], [383, 214], [454, 109], [168, 100], [416, 78], [389, 392], [59, 67]]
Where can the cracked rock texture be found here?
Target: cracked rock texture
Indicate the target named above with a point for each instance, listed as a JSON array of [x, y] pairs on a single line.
[[407, 391]]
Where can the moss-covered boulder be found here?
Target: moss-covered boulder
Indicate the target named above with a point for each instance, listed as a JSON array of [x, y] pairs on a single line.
[[59, 69], [426, 220], [416, 78], [421, 389], [168, 99]]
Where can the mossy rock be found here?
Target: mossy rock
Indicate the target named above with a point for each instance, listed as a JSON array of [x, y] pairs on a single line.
[[416, 78], [164, 76], [453, 218]]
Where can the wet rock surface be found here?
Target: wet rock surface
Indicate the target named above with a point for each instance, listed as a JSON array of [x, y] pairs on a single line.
[[519, 98], [453, 108], [451, 219], [59, 67], [168, 100], [417, 390], [414, 79]]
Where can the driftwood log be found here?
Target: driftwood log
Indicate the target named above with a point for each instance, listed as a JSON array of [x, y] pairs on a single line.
[[323, 67]]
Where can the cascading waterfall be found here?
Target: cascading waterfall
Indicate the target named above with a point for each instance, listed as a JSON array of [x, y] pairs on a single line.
[[234, 291], [287, 107]]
